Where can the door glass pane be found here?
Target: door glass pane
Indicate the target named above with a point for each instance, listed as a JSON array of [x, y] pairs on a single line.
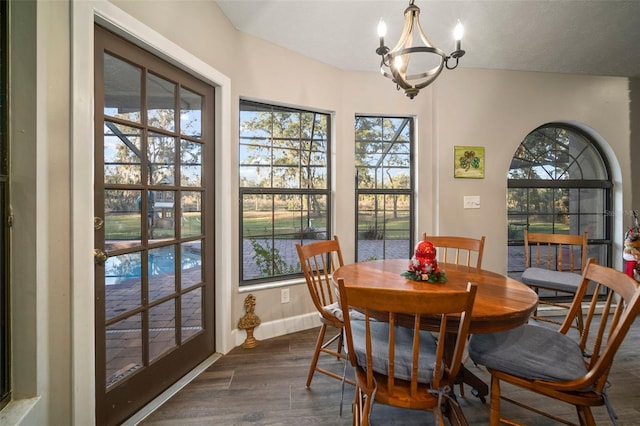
[[191, 255], [163, 216], [122, 89], [123, 283], [162, 329], [122, 217], [162, 272], [161, 103], [191, 214], [161, 154], [190, 113], [190, 163], [123, 349], [122, 155], [191, 313]]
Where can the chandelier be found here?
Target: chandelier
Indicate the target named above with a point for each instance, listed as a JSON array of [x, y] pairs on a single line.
[[399, 63]]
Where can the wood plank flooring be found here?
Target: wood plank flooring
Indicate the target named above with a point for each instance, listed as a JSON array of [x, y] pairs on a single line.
[[266, 386]]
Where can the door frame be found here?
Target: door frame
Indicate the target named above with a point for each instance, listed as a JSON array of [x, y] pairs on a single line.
[[84, 16]]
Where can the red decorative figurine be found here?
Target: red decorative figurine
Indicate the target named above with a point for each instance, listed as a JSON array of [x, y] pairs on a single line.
[[424, 264]]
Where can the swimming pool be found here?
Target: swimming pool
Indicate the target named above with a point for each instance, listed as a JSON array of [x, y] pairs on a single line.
[[160, 261]]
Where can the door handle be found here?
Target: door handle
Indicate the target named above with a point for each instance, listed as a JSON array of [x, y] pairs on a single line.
[[99, 256]]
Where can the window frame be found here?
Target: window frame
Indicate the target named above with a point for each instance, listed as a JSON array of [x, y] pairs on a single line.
[[595, 244], [301, 234], [408, 192]]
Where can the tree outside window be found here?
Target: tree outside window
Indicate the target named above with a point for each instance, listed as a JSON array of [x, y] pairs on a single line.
[[384, 190], [284, 187]]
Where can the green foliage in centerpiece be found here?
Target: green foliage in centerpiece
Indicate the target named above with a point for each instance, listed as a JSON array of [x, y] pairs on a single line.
[[434, 277]]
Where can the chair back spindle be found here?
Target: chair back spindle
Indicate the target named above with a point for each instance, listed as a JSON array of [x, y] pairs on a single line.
[[458, 250], [540, 250]]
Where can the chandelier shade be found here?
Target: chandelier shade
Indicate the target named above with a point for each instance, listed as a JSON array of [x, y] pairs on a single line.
[[397, 63]]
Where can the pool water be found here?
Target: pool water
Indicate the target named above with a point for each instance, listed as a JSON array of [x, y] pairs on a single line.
[[161, 261]]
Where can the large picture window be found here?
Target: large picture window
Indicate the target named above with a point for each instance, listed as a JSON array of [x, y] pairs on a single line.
[[384, 190], [558, 183], [284, 187]]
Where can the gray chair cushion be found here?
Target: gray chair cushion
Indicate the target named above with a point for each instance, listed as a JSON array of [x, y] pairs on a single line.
[[403, 350], [555, 280], [529, 351], [335, 310]]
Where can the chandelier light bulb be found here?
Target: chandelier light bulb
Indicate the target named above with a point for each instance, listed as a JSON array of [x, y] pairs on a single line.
[[397, 62], [382, 29], [458, 32]]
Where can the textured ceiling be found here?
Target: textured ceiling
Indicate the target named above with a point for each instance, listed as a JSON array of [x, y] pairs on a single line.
[[564, 36]]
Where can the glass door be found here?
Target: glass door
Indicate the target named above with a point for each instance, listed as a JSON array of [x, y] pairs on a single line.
[[153, 225]]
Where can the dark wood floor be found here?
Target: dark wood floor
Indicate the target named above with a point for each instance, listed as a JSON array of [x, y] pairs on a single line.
[[266, 386]]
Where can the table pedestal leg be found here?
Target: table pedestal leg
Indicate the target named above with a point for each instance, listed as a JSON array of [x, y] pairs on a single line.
[[478, 387]]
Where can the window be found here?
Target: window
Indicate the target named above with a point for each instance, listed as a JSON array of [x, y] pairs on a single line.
[[285, 187], [558, 183], [5, 384], [384, 190]]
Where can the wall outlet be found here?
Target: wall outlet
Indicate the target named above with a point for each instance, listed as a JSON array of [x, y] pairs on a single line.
[[284, 295]]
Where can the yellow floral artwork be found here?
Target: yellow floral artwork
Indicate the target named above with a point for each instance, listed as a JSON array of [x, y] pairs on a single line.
[[469, 162]]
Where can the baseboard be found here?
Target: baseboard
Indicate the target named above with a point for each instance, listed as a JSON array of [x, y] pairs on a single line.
[[278, 327]]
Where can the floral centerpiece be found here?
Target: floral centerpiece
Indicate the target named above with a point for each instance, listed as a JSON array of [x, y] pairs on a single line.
[[423, 266]]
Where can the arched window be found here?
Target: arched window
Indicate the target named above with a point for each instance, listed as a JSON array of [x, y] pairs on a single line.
[[558, 182]]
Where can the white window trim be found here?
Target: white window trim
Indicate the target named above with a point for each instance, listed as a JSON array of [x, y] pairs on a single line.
[[84, 15]]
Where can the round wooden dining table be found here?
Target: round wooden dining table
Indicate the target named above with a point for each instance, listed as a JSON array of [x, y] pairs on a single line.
[[501, 303]]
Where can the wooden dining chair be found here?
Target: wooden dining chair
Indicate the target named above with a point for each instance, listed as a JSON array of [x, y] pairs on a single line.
[[397, 363], [554, 262], [458, 250], [318, 260], [552, 363], [461, 251]]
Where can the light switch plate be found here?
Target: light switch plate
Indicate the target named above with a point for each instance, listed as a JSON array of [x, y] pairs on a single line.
[[471, 201]]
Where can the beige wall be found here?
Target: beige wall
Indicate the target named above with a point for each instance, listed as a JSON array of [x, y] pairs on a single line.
[[494, 109]]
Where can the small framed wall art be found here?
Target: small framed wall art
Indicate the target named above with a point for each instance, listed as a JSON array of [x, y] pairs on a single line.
[[469, 162]]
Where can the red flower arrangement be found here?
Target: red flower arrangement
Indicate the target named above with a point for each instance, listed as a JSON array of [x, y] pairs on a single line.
[[423, 266]]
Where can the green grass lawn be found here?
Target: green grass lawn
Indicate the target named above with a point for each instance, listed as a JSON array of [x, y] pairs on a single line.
[[128, 227]]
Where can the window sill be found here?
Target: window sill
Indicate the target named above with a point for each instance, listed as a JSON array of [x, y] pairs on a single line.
[[17, 411], [270, 285]]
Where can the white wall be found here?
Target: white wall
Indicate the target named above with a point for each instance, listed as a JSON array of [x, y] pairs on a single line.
[[495, 109]]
